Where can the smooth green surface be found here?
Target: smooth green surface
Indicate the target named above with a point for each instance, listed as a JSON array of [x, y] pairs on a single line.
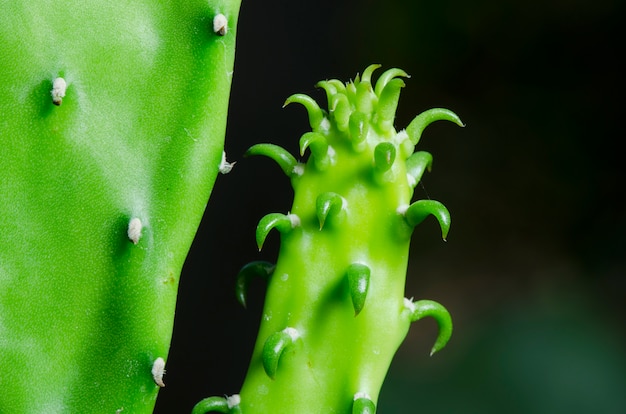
[[84, 312], [335, 311]]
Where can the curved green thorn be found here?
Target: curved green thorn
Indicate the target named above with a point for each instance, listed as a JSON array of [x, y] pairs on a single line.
[[283, 158], [254, 269], [316, 114], [384, 156], [329, 205], [274, 347], [419, 210], [319, 149], [420, 122], [416, 164], [211, 405], [283, 223], [367, 73], [363, 404], [424, 308], [358, 283], [388, 75], [388, 103], [341, 111], [359, 128]]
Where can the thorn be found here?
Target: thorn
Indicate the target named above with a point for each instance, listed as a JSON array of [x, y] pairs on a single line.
[[158, 370], [363, 404], [59, 86], [424, 308], [254, 269], [316, 115], [420, 122], [134, 230], [358, 283], [281, 156], [225, 166], [283, 223], [220, 25], [329, 205], [419, 210], [274, 347], [416, 164]]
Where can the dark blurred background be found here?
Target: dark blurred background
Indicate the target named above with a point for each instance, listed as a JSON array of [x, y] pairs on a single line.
[[534, 270]]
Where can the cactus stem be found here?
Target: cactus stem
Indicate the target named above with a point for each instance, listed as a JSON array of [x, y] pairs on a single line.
[[363, 404], [158, 370], [220, 24], [283, 223], [134, 230], [59, 86], [358, 283], [225, 166], [424, 308], [253, 269], [419, 210], [274, 347]]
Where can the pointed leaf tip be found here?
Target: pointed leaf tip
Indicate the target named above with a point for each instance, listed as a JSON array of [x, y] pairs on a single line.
[[363, 404], [416, 164], [358, 276], [419, 210], [274, 347], [254, 269], [329, 205], [316, 114], [420, 122], [281, 156], [425, 308], [384, 156], [225, 405], [283, 223]]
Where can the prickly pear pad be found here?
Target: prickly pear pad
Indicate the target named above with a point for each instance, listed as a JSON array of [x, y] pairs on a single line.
[[112, 129]]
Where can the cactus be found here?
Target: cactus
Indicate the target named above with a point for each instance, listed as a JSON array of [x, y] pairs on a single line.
[[113, 121], [335, 311]]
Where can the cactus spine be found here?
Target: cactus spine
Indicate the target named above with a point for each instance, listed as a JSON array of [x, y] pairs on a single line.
[[113, 121], [335, 311]]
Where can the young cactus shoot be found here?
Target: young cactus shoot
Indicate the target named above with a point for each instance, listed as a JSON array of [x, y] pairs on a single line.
[[335, 311]]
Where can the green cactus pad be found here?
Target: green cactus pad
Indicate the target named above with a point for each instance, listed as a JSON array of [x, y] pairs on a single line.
[[113, 121]]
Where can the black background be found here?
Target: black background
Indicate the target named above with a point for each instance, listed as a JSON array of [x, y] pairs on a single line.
[[534, 268]]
